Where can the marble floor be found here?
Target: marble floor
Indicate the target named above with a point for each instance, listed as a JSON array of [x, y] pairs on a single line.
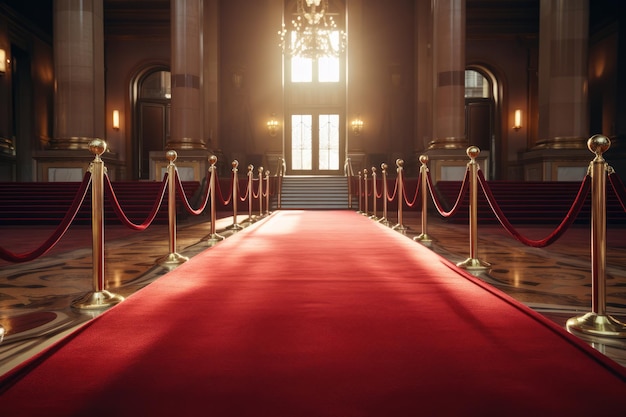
[[35, 297]]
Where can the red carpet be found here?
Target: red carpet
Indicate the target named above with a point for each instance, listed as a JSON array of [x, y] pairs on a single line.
[[317, 314]]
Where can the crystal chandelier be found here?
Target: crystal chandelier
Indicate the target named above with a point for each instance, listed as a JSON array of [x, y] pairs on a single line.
[[314, 34]]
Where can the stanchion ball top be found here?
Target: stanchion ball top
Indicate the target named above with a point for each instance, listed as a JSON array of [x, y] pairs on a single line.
[[212, 159], [171, 155], [384, 166], [97, 146], [235, 163], [598, 144], [399, 162], [423, 159], [473, 152]]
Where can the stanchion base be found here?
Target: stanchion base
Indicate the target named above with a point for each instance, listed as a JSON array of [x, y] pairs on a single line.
[[235, 227], [424, 239], [172, 260], [384, 221], [214, 239], [97, 300], [473, 264], [400, 227], [375, 218], [596, 325]]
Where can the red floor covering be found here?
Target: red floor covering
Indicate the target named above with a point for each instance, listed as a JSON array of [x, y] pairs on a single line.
[[317, 313]]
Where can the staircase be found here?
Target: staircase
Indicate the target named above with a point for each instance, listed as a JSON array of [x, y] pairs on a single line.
[[314, 193]]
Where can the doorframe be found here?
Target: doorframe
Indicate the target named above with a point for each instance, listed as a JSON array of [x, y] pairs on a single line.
[[315, 112], [133, 148], [497, 149]]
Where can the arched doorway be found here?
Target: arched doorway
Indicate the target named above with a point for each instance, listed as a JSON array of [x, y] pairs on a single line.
[[481, 109], [152, 95]]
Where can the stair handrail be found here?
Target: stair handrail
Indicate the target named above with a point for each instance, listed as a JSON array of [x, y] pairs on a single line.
[[280, 173], [349, 173]]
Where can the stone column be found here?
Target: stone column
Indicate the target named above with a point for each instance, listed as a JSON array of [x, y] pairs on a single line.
[[186, 110], [79, 72], [449, 74], [563, 100]]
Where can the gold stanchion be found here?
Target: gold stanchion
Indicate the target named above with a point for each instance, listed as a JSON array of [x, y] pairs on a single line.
[[99, 298], [472, 263], [360, 211], [213, 238], [251, 219], [260, 193], [400, 226], [598, 322], [349, 174], [267, 193], [374, 194], [279, 191], [173, 259], [366, 209], [235, 226], [423, 237], [384, 220]]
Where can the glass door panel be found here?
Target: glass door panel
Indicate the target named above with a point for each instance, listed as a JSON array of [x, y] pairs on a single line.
[[302, 142], [329, 142], [315, 144]]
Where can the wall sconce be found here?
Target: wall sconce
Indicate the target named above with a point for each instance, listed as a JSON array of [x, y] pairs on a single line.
[[517, 125], [357, 126], [116, 119], [272, 126], [3, 61]]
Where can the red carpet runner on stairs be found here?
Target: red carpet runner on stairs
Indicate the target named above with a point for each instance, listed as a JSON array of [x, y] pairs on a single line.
[[317, 313]]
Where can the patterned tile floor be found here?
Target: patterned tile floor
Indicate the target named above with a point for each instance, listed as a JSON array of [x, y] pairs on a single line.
[[35, 296]]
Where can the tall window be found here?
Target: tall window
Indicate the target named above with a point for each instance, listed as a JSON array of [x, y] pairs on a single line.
[[323, 70], [476, 85]]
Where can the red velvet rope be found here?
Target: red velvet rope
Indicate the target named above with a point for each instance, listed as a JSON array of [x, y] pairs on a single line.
[[267, 187], [224, 201], [395, 191], [457, 203], [379, 195], [183, 197], [243, 197], [122, 216], [256, 195], [618, 188], [417, 191], [69, 217], [571, 215]]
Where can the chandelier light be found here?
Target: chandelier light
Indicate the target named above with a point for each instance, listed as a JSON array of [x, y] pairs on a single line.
[[314, 34]]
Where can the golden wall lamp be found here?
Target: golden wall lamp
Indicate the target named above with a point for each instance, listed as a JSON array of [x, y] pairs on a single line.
[[517, 121], [357, 126], [3, 61], [116, 119], [272, 126]]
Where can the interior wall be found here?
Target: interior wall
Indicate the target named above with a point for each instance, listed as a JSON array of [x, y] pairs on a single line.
[[386, 79], [250, 78]]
